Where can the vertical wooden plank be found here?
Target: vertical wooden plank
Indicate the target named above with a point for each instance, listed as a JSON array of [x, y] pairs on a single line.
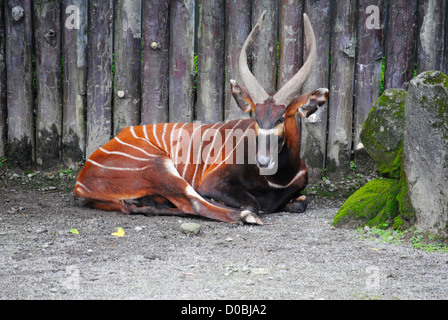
[[290, 39], [265, 48], [74, 53], [368, 71], [209, 107], [343, 46], [155, 74], [314, 129], [445, 56], [238, 26], [127, 50], [21, 142], [2, 82], [49, 75], [290, 42], [400, 42], [99, 78], [430, 35], [181, 65]]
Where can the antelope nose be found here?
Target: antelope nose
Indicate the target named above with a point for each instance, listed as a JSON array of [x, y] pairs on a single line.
[[263, 161]]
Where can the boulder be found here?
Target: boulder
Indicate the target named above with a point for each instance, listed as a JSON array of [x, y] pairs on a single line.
[[385, 201], [382, 132], [425, 149]]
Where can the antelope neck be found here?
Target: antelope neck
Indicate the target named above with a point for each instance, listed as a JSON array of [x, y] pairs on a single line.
[[288, 158]]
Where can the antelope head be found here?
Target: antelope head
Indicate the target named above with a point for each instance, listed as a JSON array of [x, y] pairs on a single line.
[[275, 114]]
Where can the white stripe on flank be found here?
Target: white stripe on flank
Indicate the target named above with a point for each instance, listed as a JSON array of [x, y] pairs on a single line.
[[233, 150], [124, 154], [145, 133], [199, 154], [220, 150], [117, 168], [163, 138], [225, 142], [132, 146], [137, 137], [187, 161], [171, 139], [178, 143], [154, 127], [83, 186]]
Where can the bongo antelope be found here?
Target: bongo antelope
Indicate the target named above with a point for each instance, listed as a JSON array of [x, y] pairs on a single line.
[[227, 171]]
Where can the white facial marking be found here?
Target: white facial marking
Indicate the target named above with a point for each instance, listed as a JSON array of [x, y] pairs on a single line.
[[279, 186], [266, 132]]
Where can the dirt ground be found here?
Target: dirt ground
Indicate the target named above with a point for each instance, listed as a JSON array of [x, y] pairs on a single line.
[[293, 256]]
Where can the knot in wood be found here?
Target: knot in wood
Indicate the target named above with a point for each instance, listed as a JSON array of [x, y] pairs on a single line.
[[155, 45], [17, 13]]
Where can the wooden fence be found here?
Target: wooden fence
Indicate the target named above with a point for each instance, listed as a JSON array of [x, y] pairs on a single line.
[[73, 73]]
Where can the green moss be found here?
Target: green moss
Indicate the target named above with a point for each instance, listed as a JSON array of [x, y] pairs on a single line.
[[391, 162], [406, 216], [382, 132], [432, 77], [374, 204], [379, 203], [399, 224]]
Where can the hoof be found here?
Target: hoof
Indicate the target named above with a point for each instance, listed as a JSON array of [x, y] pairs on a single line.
[[250, 218], [299, 205]]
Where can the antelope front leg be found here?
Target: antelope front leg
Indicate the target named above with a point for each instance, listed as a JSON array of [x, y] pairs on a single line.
[[189, 201], [297, 205], [231, 195], [186, 199]]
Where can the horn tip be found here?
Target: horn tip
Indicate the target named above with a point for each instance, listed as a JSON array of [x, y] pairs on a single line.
[[305, 17], [262, 16]]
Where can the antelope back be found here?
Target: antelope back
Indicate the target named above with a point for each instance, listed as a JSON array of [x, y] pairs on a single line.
[[195, 150]]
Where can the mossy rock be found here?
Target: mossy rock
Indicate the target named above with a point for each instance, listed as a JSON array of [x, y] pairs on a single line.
[[373, 205], [406, 217], [425, 149], [382, 132]]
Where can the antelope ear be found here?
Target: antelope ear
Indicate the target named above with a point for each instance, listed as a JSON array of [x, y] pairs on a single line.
[[242, 97], [308, 103]]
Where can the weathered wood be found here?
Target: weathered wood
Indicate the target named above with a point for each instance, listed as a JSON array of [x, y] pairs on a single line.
[[3, 127], [74, 53], [238, 26], [314, 129], [127, 49], [209, 106], [400, 43], [19, 35], [155, 74], [290, 42], [367, 72], [430, 38], [47, 37], [99, 78], [343, 46], [264, 61], [445, 58], [181, 66], [290, 39]]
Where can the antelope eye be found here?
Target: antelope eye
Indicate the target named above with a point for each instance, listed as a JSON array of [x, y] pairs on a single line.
[[281, 120]]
